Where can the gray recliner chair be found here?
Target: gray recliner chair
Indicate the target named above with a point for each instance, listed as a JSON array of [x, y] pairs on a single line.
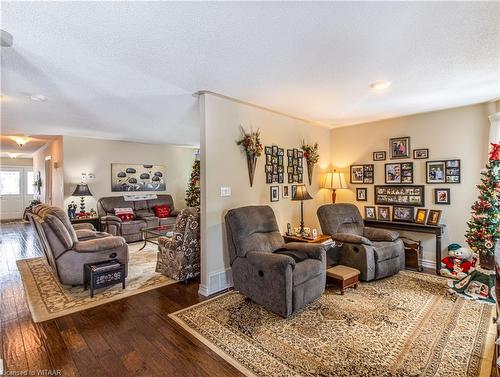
[[275, 281], [67, 253], [376, 253]]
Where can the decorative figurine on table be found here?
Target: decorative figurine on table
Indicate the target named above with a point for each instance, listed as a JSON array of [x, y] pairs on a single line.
[[93, 213], [72, 210], [459, 262]]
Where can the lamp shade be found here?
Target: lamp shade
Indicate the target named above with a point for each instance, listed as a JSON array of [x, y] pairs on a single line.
[[301, 193], [82, 189], [335, 181]]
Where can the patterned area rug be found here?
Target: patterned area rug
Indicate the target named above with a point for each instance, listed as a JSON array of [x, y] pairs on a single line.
[[406, 325], [48, 299]]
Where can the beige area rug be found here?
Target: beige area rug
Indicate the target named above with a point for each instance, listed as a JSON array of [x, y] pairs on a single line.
[[406, 325], [48, 299]]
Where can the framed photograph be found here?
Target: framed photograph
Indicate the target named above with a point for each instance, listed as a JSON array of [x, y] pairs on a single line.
[[370, 213], [421, 216], [368, 173], [384, 213], [268, 150], [392, 173], [357, 174], [285, 193], [435, 171], [442, 196], [379, 156], [403, 213], [399, 147], [294, 190], [419, 154], [361, 194], [400, 195], [434, 217], [452, 172], [275, 193]]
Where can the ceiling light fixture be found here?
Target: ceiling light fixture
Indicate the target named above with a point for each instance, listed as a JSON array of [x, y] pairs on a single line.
[[380, 85], [13, 155], [38, 98], [20, 140]]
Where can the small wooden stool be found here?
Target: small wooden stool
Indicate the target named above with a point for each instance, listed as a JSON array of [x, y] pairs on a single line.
[[346, 276]]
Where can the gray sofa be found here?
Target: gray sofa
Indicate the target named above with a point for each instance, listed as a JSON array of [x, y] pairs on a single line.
[[275, 281], [143, 211], [377, 253], [65, 251]]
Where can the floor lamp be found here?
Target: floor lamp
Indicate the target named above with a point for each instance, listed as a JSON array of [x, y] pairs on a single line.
[[301, 194], [335, 181]]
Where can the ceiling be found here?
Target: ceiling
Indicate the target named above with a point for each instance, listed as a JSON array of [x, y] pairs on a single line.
[[127, 70], [8, 145]]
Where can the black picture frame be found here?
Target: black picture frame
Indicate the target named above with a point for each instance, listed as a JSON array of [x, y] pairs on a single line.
[[365, 173], [434, 217], [408, 195], [384, 213], [379, 156], [295, 165], [368, 213], [421, 153], [274, 166], [418, 216], [274, 193], [403, 214], [399, 147], [443, 172], [442, 196], [361, 194], [404, 172]]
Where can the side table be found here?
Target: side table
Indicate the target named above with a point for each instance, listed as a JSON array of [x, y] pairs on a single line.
[[95, 221], [320, 239]]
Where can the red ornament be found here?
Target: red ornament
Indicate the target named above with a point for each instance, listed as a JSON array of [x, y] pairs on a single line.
[[495, 152]]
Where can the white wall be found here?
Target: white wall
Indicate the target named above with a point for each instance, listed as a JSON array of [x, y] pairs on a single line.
[[7, 161], [459, 133], [86, 155], [223, 164], [54, 150]]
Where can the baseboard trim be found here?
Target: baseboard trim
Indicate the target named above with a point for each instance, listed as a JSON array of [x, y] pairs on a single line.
[[217, 281], [428, 263]]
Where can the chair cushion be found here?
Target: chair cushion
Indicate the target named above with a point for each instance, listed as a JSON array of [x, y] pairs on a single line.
[[133, 227], [385, 250], [306, 270], [341, 272]]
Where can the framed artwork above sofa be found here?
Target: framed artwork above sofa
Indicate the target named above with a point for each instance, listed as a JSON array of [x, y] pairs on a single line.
[[134, 177]]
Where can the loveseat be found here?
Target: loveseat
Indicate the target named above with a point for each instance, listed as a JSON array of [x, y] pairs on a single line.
[[143, 211]]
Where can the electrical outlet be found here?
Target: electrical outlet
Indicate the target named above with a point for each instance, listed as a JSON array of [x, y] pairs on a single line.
[[225, 191]]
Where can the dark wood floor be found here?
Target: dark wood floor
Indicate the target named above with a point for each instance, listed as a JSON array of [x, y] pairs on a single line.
[[129, 337]]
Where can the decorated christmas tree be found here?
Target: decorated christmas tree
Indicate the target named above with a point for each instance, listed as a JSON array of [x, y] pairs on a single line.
[[484, 224], [193, 191]]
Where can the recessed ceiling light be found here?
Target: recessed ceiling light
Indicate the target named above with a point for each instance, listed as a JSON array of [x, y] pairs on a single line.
[[20, 140], [380, 85], [38, 98]]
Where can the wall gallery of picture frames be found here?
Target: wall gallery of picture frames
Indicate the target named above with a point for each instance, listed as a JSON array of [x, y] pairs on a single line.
[[362, 173], [399, 172], [400, 195], [443, 171], [295, 168], [275, 167]]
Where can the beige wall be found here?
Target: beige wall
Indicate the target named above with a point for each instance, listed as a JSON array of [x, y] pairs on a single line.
[[85, 155], [459, 133], [223, 164], [5, 161], [54, 150]]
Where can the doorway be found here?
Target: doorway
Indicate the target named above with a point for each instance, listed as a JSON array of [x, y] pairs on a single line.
[[16, 191]]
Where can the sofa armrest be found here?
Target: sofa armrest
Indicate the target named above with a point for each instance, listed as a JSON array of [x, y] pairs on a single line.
[[375, 234], [111, 218], [313, 250], [263, 260], [81, 226], [98, 244], [82, 234], [174, 213], [164, 242], [351, 238]]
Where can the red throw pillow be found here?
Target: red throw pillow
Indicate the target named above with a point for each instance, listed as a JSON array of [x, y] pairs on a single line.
[[126, 217], [162, 211]]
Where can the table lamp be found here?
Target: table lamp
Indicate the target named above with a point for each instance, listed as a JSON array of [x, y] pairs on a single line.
[[301, 194], [82, 190], [335, 181]]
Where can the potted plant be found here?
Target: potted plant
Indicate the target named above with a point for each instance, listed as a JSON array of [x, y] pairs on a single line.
[[252, 147], [312, 156]]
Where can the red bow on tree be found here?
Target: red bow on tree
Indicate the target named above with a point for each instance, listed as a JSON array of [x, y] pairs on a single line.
[[495, 152]]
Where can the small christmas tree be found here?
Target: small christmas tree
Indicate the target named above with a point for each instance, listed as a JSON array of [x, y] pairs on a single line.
[[484, 225], [193, 191]]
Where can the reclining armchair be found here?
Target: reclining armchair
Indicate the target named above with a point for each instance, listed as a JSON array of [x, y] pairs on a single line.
[[67, 253], [260, 272], [376, 253], [179, 256]]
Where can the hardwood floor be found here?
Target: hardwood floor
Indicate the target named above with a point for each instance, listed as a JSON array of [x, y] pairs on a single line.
[[129, 337]]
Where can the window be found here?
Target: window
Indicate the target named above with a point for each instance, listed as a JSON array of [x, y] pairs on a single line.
[[10, 183], [30, 179]]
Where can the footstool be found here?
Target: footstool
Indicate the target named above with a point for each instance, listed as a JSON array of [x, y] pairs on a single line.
[[346, 276]]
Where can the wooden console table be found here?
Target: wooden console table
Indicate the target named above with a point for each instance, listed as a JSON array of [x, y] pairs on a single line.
[[320, 239], [437, 230]]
